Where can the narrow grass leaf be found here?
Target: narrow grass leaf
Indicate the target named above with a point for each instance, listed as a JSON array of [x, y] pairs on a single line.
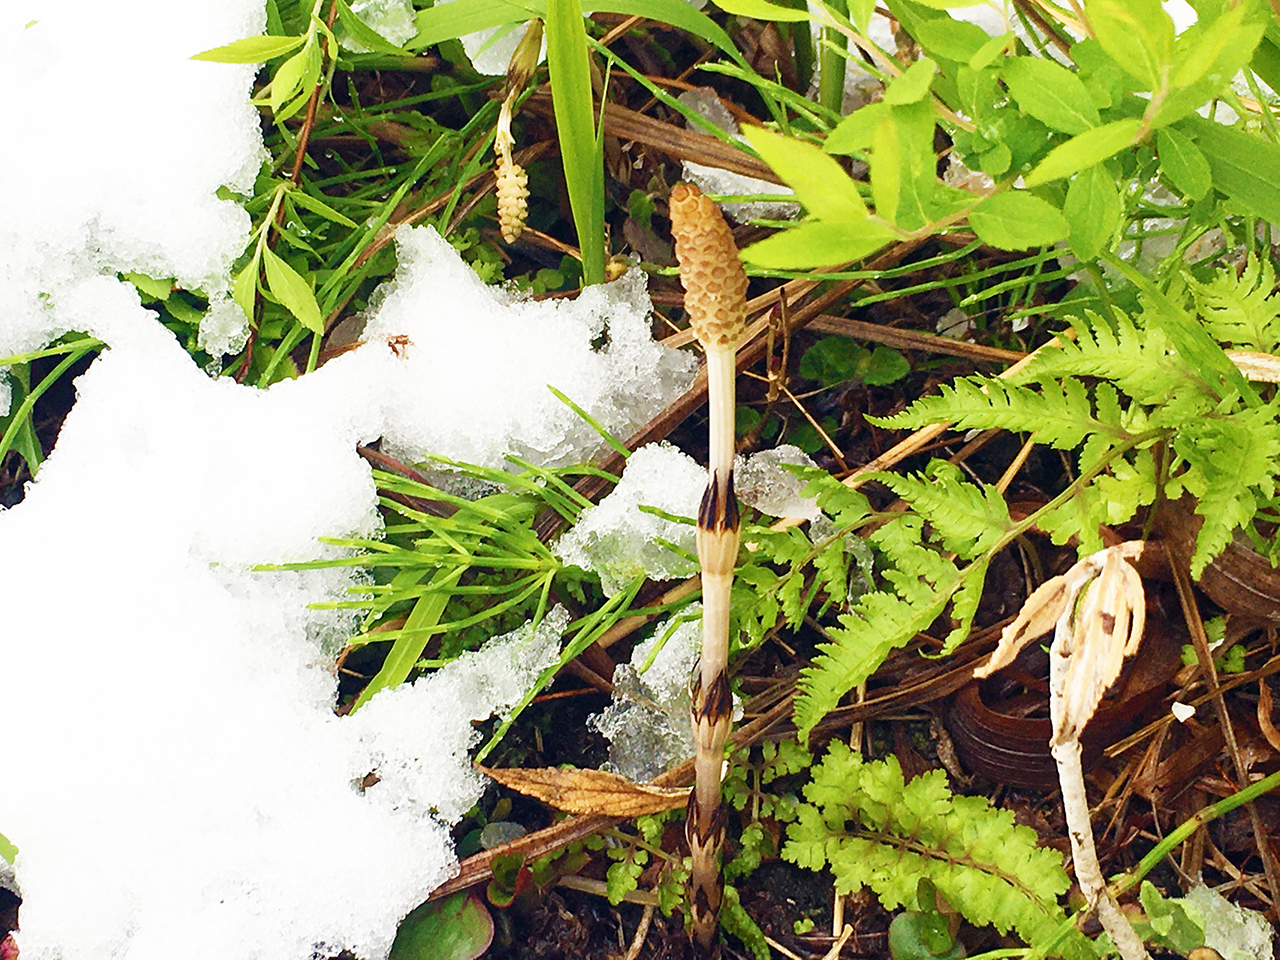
[[1092, 146], [819, 182], [251, 50], [363, 33], [317, 206], [1051, 93], [294, 292], [1017, 220], [448, 21]]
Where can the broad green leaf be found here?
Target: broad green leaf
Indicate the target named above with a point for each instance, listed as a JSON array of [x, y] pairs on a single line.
[[955, 40], [762, 10], [977, 89], [1051, 93], [1221, 47], [860, 13], [1266, 60], [251, 50], [1093, 210], [1092, 146], [245, 289], [292, 291], [153, 288], [1244, 166], [819, 181], [817, 243], [854, 133], [287, 80], [1183, 163], [1138, 35], [990, 50], [913, 85], [364, 34], [458, 927], [7, 850], [304, 199], [573, 104], [903, 165], [1017, 220]]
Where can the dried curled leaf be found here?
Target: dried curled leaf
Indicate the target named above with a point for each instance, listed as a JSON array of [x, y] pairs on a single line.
[[715, 283], [590, 791]]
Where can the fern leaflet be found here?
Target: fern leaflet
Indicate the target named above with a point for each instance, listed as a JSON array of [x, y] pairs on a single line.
[[1242, 311]]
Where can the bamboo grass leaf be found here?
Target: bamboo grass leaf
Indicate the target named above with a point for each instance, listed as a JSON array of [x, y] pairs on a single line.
[[251, 50]]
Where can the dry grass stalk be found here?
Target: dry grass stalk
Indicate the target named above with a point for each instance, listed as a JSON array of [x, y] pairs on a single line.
[[715, 299]]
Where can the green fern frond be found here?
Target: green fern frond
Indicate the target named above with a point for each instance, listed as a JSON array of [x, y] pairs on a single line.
[[968, 518], [1060, 414], [875, 830], [1242, 311], [1237, 457]]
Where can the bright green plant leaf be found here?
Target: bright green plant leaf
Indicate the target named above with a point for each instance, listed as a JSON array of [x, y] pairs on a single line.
[[1092, 146], [304, 199], [7, 850], [287, 80], [251, 50], [818, 181], [818, 243], [903, 165], [762, 10], [245, 289], [860, 13], [1017, 220], [576, 131], [948, 4], [1220, 48], [1138, 35], [364, 34], [292, 291], [153, 288], [1093, 210], [1183, 163], [1051, 93], [913, 85], [1244, 166], [835, 360], [458, 927], [955, 40], [990, 50], [853, 134]]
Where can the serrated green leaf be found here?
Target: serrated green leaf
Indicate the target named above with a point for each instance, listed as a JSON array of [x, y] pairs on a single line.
[[762, 10], [818, 243], [251, 50], [1183, 163], [1217, 50], [287, 80], [854, 133], [903, 165], [245, 289], [1093, 209], [292, 291], [913, 85], [956, 40], [819, 181], [1051, 93], [364, 34], [1016, 220], [1092, 146], [1138, 34], [317, 206]]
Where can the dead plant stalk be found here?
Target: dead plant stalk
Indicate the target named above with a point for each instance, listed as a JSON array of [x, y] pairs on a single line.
[[715, 299]]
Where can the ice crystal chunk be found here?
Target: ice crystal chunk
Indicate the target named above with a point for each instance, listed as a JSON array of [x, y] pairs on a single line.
[[393, 19], [762, 481], [648, 722], [223, 329], [618, 541], [1236, 933], [481, 359]]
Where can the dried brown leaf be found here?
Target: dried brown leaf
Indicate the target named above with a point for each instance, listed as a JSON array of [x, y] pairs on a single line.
[[590, 791]]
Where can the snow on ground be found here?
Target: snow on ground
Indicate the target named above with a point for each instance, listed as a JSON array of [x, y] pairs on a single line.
[[174, 776]]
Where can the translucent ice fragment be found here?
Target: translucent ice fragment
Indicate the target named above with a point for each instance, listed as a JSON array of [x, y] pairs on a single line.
[[762, 482], [1236, 933], [223, 329], [393, 19], [619, 542]]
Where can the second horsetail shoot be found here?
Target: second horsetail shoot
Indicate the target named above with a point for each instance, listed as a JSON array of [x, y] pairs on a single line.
[[715, 296]]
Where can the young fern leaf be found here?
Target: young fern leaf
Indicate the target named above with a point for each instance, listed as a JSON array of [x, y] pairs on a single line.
[[1059, 415], [1241, 311], [875, 830], [967, 518]]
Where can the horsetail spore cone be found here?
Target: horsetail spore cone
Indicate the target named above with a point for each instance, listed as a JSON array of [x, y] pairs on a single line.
[[715, 297]]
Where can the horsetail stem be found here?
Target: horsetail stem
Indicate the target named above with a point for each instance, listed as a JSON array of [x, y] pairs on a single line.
[[715, 297]]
